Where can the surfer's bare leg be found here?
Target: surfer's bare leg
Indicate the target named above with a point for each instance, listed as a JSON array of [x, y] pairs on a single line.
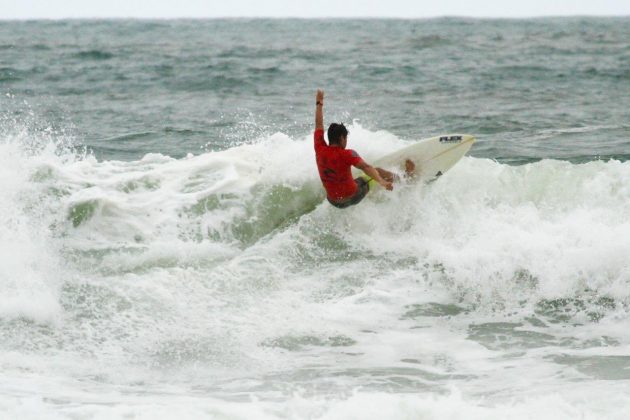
[[375, 174], [386, 175]]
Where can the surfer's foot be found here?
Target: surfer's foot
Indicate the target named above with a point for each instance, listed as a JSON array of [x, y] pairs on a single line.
[[410, 168]]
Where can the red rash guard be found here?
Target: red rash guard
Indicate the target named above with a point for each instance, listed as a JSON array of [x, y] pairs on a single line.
[[334, 165]]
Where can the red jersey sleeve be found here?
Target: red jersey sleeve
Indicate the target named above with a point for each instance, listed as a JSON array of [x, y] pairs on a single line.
[[319, 138], [352, 157]]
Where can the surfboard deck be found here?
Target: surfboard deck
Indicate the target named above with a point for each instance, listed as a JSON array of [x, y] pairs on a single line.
[[432, 156]]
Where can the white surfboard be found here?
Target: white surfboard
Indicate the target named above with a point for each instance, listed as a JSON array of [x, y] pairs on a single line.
[[433, 156]]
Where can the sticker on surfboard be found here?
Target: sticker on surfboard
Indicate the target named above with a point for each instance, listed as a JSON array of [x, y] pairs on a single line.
[[450, 139]]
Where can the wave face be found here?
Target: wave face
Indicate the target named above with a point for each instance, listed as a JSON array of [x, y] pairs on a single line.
[[223, 285]]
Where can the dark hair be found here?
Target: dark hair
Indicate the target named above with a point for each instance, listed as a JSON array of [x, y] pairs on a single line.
[[336, 132]]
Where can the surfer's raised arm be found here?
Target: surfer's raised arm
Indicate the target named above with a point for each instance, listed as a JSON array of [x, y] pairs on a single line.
[[319, 110]]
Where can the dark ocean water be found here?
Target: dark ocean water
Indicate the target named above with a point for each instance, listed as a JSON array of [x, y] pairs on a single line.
[[529, 89], [166, 251]]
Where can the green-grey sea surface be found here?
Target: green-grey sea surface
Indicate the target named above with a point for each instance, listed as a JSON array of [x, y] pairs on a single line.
[[166, 250], [527, 88]]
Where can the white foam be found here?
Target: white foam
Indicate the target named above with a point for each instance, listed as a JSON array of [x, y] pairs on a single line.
[[176, 285], [28, 267], [575, 403], [565, 225]]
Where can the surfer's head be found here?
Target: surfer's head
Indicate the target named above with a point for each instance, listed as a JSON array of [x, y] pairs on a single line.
[[337, 135]]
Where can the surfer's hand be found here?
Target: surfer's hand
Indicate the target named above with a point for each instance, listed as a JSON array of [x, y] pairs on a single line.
[[319, 97], [387, 185]]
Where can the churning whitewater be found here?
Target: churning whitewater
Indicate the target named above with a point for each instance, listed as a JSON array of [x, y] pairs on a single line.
[[167, 252], [161, 282]]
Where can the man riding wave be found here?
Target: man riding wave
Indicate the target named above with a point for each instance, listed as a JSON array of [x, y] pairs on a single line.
[[334, 163]]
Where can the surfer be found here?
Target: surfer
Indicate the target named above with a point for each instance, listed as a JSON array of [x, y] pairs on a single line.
[[334, 163]]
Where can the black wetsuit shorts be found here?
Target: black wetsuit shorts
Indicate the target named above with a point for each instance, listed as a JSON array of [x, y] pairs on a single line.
[[362, 189]]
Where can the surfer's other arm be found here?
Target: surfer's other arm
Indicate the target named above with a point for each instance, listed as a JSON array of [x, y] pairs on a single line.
[[319, 110], [385, 178]]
